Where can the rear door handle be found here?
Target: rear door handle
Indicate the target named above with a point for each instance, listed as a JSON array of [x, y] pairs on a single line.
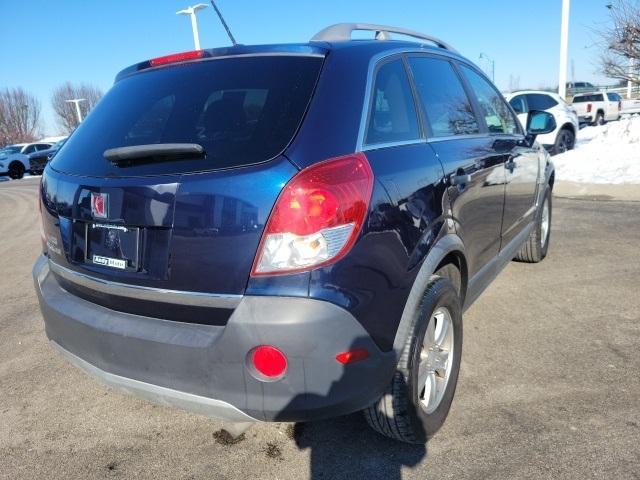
[[460, 179]]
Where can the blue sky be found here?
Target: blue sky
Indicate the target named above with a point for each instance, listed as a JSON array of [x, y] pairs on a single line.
[[44, 43]]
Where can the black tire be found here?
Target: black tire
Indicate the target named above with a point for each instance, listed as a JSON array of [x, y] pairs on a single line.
[[399, 414], [535, 248], [599, 119], [16, 170], [565, 141]]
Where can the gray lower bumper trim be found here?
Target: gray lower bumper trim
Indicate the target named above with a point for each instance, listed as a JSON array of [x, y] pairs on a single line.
[[161, 395]]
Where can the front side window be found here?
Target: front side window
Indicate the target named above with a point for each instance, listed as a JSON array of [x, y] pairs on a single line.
[[393, 116], [443, 98], [494, 109]]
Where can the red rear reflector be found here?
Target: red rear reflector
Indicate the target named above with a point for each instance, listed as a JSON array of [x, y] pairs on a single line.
[[588, 108], [352, 356], [176, 57], [269, 361], [317, 216]]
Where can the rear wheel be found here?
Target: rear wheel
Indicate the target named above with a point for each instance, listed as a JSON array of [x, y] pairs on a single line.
[[599, 119], [535, 248], [419, 397], [564, 141], [16, 170]]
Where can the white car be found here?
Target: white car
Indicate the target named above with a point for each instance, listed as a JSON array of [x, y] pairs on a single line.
[[563, 138], [596, 108], [14, 159]]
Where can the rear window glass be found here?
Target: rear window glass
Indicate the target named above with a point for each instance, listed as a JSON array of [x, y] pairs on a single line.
[[241, 110], [588, 98]]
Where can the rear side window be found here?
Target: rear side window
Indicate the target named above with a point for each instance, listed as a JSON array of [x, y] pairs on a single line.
[[497, 115], [443, 98], [241, 110], [519, 104], [539, 101], [392, 116]]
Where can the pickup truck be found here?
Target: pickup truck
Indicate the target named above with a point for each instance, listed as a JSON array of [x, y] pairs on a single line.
[[597, 108]]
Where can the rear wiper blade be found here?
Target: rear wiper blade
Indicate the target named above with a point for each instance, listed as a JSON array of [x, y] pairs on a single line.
[[151, 152]]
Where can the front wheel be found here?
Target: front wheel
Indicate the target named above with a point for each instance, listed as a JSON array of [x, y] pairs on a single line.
[[535, 248], [16, 170], [419, 397]]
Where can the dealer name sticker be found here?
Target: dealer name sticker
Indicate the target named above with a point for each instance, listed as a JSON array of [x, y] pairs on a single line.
[[110, 262]]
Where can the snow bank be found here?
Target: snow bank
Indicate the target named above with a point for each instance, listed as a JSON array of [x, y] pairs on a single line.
[[606, 154]]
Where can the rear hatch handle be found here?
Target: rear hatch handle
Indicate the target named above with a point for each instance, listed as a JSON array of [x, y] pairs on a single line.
[[154, 151]]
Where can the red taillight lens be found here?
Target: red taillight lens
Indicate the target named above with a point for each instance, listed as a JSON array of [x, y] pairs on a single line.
[[317, 216], [269, 361], [619, 105], [176, 57], [589, 108], [42, 235], [352, 356]]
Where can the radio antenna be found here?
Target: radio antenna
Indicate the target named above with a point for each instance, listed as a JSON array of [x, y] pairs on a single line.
[[224, 24]]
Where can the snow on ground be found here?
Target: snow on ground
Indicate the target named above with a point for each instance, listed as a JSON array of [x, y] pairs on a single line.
[[607, 154]]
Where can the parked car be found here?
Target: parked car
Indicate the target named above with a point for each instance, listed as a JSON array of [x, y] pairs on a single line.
[[14, 159], [576, 87], [597, 108], [290, 232], [38, 160], [563, 138]]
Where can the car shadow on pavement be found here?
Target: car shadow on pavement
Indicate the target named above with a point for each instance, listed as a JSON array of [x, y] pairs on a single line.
[[346, 447]]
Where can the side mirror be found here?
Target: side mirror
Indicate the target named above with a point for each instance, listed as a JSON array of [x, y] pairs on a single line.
[[540, 122]]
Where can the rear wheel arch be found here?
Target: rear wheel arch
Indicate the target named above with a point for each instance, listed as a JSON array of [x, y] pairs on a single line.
[[457, 260], [568, 126], [449, 250]]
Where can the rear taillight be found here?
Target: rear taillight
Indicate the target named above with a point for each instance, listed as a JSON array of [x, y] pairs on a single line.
[[317, 216], [176, 57], [589, 108], [619, 105], [42, 235]]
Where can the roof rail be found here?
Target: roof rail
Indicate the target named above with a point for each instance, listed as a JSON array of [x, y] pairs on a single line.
[[343, 31]]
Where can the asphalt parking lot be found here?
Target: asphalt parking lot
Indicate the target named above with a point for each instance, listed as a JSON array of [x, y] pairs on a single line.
[[549, 385]]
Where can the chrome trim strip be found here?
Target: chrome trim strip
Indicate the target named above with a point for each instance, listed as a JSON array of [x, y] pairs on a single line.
[[377, 146], [192, 299], [161, 395]]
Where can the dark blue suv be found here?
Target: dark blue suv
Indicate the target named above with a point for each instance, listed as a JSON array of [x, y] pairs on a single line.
[[290, 232]]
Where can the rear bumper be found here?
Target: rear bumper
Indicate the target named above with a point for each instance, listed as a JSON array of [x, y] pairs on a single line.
[[202, 368]]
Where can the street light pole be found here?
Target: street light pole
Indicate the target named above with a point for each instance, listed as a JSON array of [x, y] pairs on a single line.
[[191, 11], [564, 48], [493, 66], [77, 101]]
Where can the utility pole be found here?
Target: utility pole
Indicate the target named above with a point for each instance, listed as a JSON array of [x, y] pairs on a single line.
[[564, 47], [77, 101], [493, 65], [191, 11]]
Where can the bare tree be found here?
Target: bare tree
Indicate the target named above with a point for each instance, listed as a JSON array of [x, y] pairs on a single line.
[[621, 41], [66, 115], [19, 116]]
